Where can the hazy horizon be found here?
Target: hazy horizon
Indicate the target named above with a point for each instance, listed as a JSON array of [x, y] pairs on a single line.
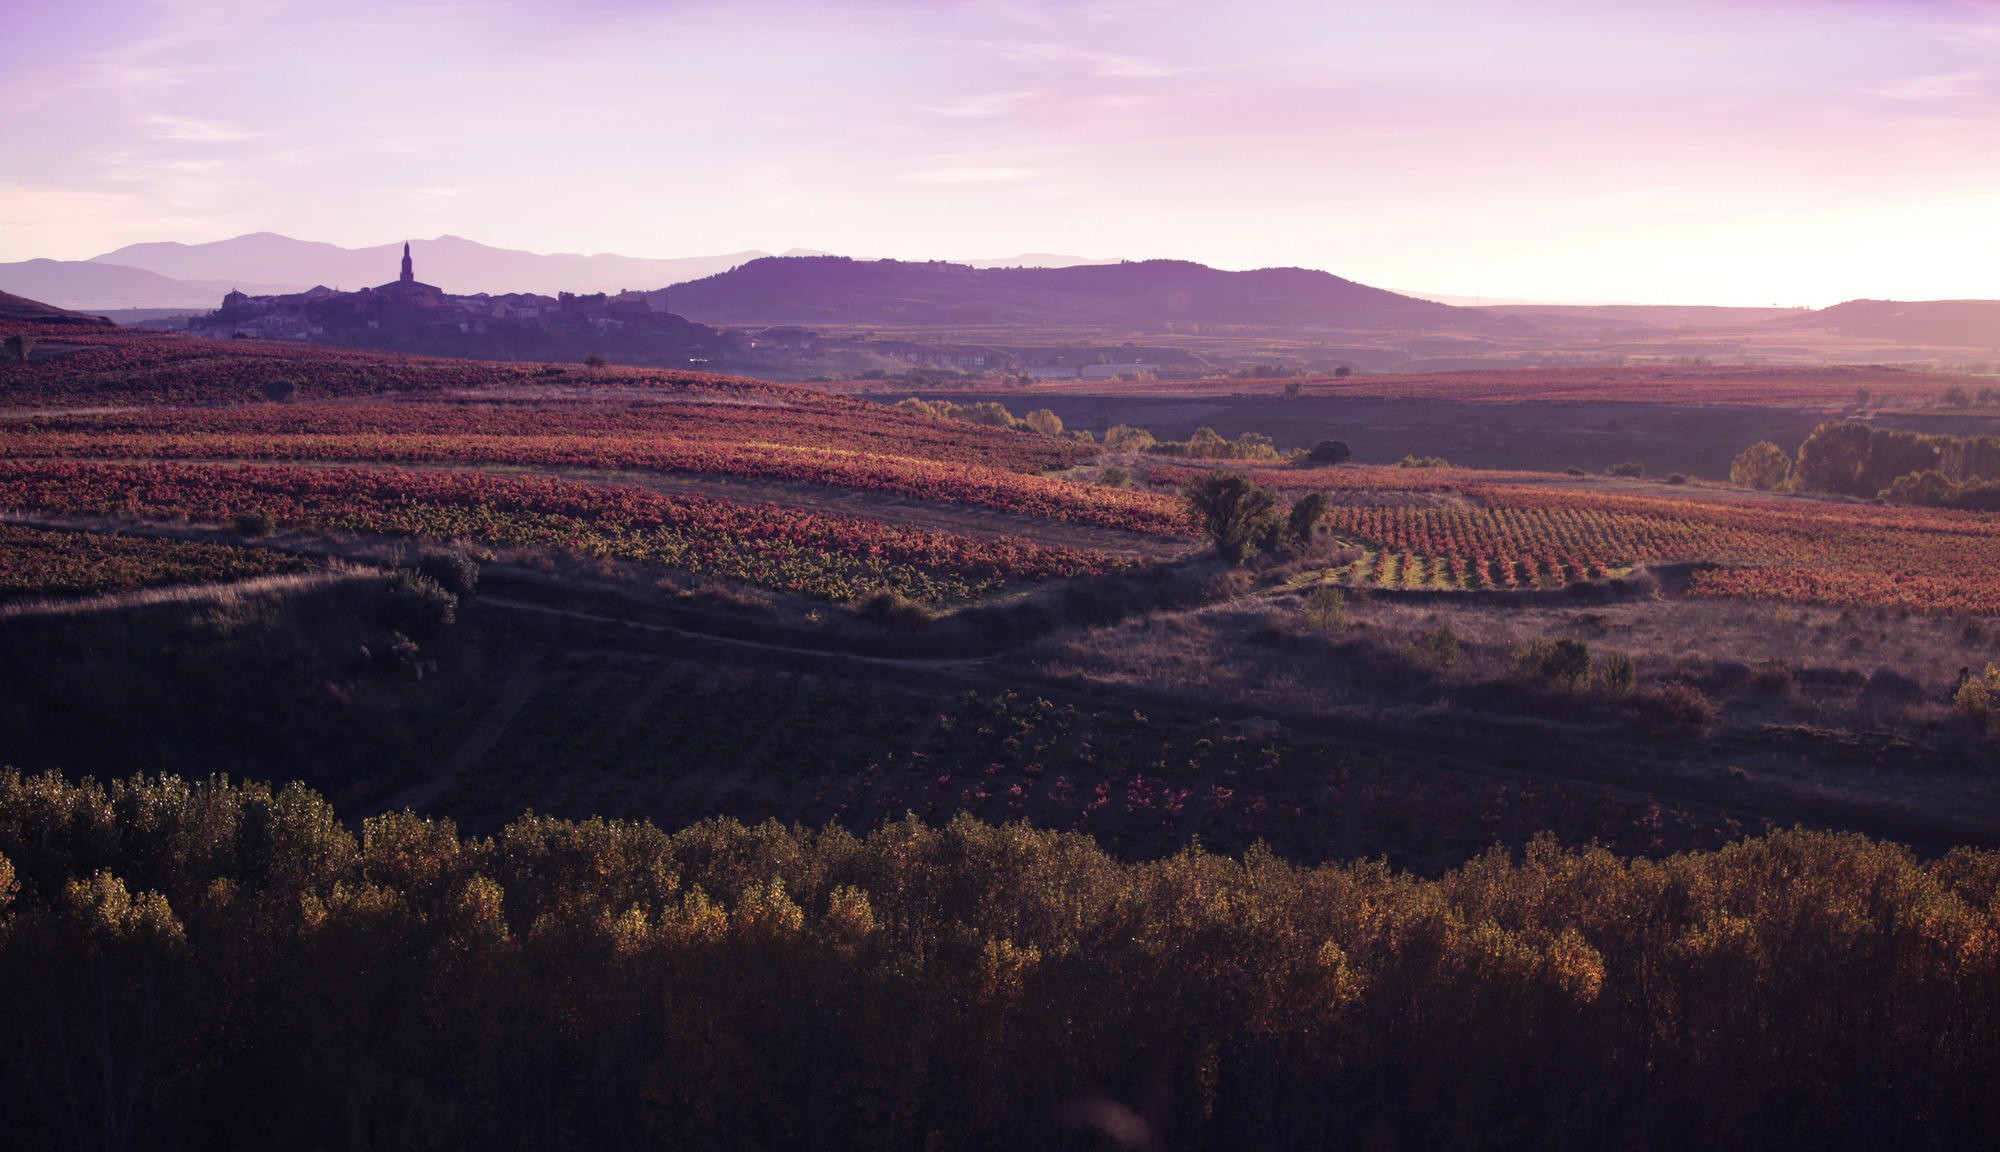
[[1776, 152]]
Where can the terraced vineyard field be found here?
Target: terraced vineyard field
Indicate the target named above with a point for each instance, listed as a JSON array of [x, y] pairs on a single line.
[[611, 732], [38, 563]]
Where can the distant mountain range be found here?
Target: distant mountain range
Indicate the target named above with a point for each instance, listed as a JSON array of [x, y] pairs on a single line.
[[822, 290], [196, 276]]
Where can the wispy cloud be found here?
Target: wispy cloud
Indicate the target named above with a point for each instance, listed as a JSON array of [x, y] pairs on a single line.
[[1948, 86], [970, 175], [189, 129]]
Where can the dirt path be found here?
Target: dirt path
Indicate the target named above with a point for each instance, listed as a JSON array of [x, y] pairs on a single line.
[[959, 665]]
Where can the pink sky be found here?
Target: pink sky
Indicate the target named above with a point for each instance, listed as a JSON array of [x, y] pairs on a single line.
[[1615, 150]]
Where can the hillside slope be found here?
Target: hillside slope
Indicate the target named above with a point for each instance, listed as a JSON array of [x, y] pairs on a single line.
[[21, 310], [837, 290]]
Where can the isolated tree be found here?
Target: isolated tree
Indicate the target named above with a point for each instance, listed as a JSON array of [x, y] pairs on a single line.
[[1342, 372], [280, 391], [1236, 515], [20, 346], [1306, 514], [1763, 466], [1327, 453], [594, 361]]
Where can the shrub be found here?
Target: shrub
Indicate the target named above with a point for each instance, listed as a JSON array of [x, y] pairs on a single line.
[[892, 609], [417, 607], [1978, 698], [1680, 702], [254, 522], [1115, 476], [280, 391], [1770, 678], [1440, 648], [1617, 674], [452, 570], [20, 346], [1677, 478], [1631, 470], [1575, 472], [1236, 515], [594, 361], [1326, 609], [1563, 662], [1415, 461]]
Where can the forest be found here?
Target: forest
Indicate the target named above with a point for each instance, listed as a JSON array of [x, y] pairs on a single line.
[[173, 947]]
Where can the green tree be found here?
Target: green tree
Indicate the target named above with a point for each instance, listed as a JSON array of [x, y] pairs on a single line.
[[1763, 466], [1044, 421], [1235, 514], [1305, 516], [1328, 453]]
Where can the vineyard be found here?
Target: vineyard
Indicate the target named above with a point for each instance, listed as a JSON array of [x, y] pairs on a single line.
[[43, 563], [875, 450], [810, 554], [606, 733], [1830, 387], [136, 366]]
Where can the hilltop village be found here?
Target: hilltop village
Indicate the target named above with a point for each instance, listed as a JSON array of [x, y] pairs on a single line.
[[407, 315]]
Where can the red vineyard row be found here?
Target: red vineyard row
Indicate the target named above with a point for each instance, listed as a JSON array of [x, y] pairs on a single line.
[[806, 553]]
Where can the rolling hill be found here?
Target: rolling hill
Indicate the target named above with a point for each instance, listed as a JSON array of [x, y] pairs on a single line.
[[837, 290], [21, 310]]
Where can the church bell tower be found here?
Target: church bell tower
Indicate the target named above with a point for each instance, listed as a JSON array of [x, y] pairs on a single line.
[[409, 272]]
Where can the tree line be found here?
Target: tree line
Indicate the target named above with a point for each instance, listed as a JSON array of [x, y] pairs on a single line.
[[192, 964], [1847, 458]]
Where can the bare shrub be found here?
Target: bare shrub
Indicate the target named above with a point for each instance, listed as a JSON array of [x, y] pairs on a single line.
[[1618, 675], [892, 609], [1326, 609], [416, 606], [1680, 702], [453, 570]]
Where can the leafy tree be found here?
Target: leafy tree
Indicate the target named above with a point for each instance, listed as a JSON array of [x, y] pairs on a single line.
[[1235, 514], [280, 391], [594, 361], [1125, 438], [1305, 516], [1342, 372], [1763, 466], [1328, 453], [20, 346], [1044, 421]]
